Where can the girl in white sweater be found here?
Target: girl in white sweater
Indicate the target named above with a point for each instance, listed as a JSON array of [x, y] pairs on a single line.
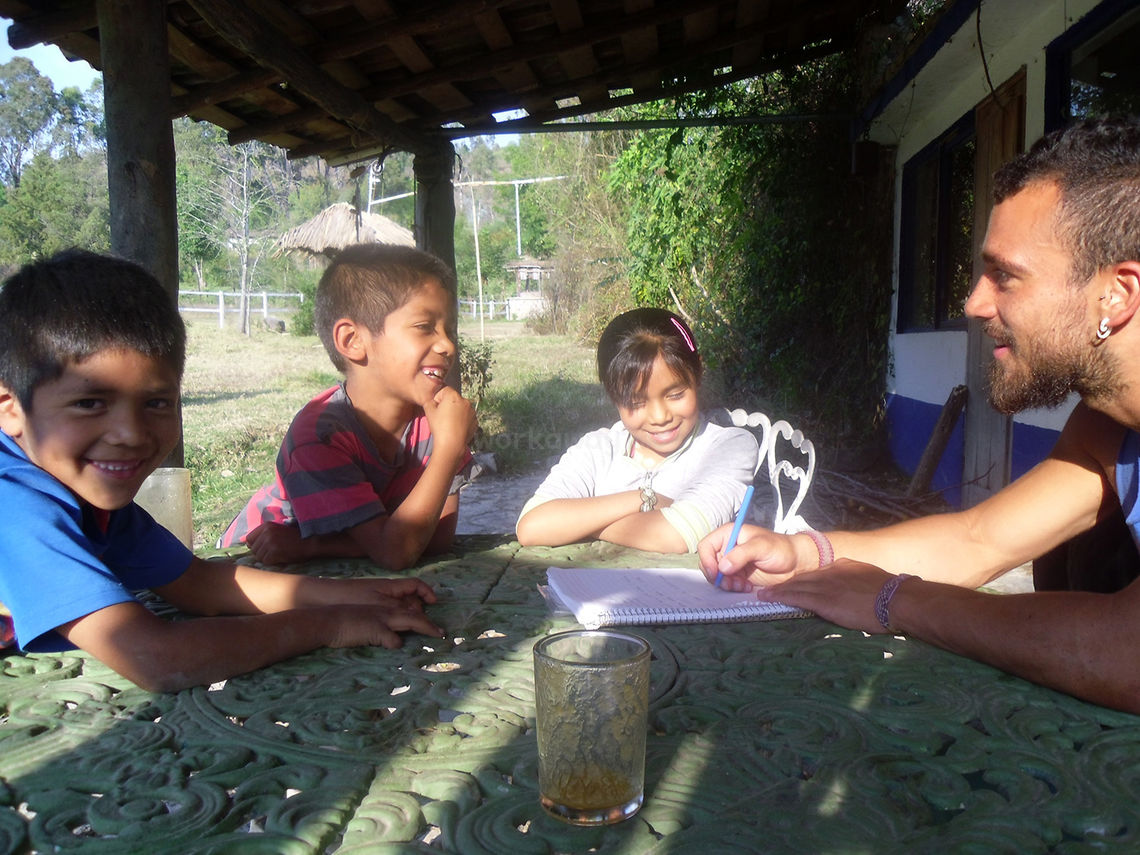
[[662, 477]]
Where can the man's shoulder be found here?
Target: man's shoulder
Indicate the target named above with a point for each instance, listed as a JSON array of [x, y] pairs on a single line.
[[1091, 434]]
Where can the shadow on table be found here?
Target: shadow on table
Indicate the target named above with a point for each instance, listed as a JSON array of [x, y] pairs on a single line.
[[774, 736]]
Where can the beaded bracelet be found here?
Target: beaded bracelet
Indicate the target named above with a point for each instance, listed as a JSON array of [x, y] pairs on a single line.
[[822, 546], [883, 599]]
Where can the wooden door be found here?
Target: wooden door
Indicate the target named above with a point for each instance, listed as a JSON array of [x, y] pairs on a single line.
[[999, 127]]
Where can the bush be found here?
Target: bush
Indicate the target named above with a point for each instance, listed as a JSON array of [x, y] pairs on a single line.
[[301, 321], [475, 363]]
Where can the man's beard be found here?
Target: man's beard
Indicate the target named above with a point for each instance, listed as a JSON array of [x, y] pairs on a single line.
[[1045, 376]]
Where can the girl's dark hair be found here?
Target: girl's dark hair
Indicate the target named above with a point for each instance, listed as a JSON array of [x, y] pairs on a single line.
[[64, 309], [632, 342]]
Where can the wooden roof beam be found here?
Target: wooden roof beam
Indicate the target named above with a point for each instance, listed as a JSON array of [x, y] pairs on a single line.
[[427, 19], [538, 119], [214, 93], [502, 60], [268, 47], [603, 81], [347, 150], [52, 26], [281, 125], [334, 48]]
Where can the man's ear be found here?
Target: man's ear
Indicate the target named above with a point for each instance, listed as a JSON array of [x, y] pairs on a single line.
[[1123, 297], [12, 416], [350, 340]]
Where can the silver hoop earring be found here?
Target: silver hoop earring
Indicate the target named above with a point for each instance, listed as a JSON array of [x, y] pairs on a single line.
[[1103, 331]]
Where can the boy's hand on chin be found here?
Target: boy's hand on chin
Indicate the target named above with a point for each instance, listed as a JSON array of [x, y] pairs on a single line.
[[452, 419]]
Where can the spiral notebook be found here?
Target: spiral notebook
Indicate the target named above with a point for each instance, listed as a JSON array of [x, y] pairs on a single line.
[[628, 596]]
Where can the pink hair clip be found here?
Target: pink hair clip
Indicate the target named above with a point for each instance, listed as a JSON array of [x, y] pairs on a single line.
[[684, 334]]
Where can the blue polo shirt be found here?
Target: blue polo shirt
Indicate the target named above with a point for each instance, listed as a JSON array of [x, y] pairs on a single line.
[[62, 560]]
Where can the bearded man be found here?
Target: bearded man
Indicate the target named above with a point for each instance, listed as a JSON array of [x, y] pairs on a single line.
[[1058, 296]]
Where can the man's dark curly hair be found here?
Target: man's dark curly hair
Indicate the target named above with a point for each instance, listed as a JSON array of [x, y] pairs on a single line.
[[1096, 165]]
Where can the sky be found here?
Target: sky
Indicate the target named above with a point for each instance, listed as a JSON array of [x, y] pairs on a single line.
[[50, 62]]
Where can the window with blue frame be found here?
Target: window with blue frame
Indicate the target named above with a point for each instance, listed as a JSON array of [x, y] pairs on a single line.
[[936, 250], [1093, 70]]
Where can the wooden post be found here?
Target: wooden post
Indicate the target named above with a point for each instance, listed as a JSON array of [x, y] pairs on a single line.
[[140, 141], [435, 202], [947, 419]]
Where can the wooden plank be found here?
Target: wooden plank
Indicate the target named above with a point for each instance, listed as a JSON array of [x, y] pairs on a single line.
[[441, 93], [936, 446], [266, 46], [518, 77], [486, 64], [140, 142], [999, 130], [749, 12]]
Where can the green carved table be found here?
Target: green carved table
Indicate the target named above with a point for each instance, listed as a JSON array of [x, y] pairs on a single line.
[[783, 736]]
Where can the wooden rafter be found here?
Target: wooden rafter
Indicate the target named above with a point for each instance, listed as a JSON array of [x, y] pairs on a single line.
[[267, 46], [346, 79]]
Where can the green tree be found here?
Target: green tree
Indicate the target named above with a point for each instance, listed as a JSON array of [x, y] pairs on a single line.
[[578, 225], [777, 252], [27, 112], [232, 205], [80, 124], [60, 202]]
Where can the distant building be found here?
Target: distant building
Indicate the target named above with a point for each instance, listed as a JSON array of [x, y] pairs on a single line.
[[529, 274]]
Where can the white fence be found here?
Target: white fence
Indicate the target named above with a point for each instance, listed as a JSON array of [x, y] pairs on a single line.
[[512, 308], [230, 302], [491, 309]]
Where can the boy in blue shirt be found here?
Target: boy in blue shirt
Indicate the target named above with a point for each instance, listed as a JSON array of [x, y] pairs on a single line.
[[91, 357]]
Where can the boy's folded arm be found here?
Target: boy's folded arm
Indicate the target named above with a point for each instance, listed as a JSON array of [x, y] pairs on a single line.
[[225, 588], [426, 518], [162, 655]]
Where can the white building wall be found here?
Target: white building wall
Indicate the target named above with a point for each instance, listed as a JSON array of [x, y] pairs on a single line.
[[926, 366]]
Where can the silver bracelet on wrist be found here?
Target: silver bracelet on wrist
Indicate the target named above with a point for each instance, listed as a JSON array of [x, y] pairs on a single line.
[[648, 498]]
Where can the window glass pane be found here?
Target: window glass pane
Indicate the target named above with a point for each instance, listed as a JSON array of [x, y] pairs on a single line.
[[958, 270], [918, 308], [1105, 71]]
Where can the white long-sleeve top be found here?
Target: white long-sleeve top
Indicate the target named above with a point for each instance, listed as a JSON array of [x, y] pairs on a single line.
[[706, 477]]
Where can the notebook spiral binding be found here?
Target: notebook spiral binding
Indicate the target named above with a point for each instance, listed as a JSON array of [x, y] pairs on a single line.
[[644, 616]]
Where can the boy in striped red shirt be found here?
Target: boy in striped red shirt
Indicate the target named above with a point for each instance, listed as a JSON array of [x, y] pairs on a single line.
[[372, 467]]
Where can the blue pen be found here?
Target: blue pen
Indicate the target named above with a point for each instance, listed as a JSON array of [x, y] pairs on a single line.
[[731, 544]]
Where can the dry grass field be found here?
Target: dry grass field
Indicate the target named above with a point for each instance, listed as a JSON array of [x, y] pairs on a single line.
[[239, 394]]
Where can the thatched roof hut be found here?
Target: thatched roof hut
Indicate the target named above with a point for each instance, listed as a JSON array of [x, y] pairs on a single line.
[[338, 226]]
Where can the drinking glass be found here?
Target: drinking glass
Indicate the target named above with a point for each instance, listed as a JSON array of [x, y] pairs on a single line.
[[165, 495], [591, 701]]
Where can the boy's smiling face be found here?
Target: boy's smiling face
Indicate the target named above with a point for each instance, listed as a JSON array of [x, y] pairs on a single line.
[[417, 347], [102, 426]]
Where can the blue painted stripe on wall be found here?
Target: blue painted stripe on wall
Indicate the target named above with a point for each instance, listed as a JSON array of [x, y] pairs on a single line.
[[1031, 445], [909, 425], [911, 422]]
